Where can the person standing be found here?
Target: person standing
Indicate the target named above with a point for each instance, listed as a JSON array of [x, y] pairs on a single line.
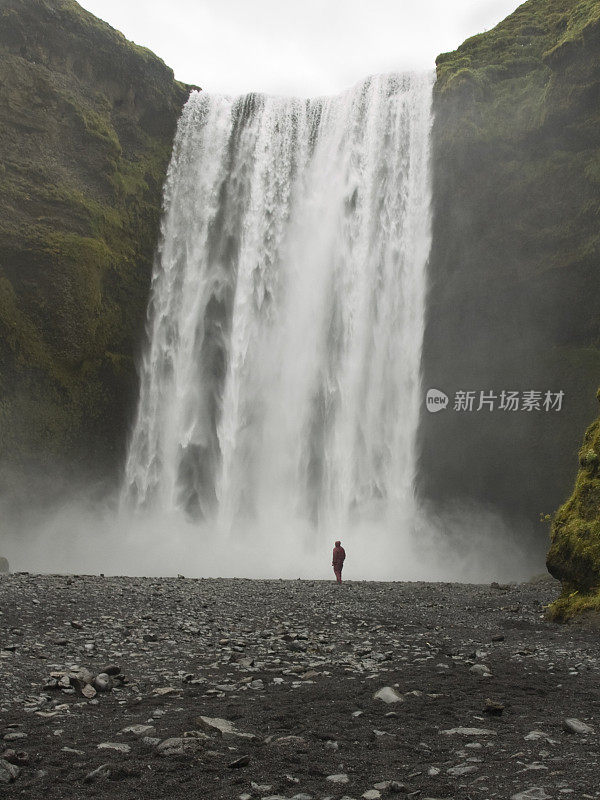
[[339, 556]]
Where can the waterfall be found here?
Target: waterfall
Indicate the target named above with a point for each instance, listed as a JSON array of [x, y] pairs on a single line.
[[281, 380]]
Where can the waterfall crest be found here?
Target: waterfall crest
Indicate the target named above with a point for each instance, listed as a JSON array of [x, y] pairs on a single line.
[[281, 379]]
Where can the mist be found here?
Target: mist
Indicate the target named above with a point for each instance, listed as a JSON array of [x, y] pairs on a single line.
[[83, 536]]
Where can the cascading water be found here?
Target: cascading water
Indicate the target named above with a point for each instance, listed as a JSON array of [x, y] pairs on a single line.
[[280, 385]]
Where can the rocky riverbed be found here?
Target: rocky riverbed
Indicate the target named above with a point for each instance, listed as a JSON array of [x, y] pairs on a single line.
[[155, 688]]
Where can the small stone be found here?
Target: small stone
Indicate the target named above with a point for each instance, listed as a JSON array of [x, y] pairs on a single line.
[[573, 725], [139, 730], [389, 786], [223, 726], [85, 675], [388, 695], [182, 745], [493, 707], [120, 747], [341, 778], [243, 761], [16, 757], [8, 772], [462, 769], [468, 732], [88, 691], [102, 682], [481, 669], [535, 793], [371, 794], [14, 736], [100, 773], [261, 788]]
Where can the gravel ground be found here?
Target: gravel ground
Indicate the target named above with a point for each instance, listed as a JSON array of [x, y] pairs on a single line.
[[268, 689]]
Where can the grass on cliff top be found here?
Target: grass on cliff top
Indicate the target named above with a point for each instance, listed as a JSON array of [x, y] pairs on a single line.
[[87, 20], [518, 44]]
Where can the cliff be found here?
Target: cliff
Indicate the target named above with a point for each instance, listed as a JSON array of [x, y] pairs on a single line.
[[86, 126], [514, 295]]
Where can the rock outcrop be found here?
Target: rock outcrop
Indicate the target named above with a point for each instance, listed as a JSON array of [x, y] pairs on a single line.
[[514, 293], [574, 556], [87, 120]]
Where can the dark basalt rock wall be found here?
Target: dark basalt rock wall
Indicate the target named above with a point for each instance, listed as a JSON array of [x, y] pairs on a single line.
[[515, 292], [87, 121]]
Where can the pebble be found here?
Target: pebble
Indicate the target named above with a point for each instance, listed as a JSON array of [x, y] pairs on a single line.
[[535, 793], [139, 730], [573, 725], [388, 695], [243, 761], [220, 649], [181, 745], [469, 732], [8, 772], [339, 778], [120, 747], [101, 772]]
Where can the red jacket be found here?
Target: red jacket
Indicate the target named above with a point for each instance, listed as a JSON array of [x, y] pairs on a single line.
[[339, 554]]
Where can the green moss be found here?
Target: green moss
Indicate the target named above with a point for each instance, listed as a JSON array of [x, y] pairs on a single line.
[[574, 555], [572, 604], [86, 127]]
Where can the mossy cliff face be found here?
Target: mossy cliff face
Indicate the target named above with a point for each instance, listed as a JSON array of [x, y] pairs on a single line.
[[87, 121], [514, 292], [574, 556]]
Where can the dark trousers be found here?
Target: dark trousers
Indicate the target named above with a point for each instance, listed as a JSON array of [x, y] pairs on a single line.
[[338, 573]]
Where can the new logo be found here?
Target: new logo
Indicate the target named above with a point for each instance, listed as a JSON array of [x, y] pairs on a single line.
[[435, 400]]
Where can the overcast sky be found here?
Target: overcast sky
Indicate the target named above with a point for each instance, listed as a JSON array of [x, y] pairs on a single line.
[[304, 47]]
